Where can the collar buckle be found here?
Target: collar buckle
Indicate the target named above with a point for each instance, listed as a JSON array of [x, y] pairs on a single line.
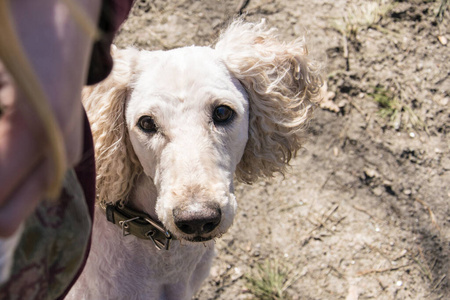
[[158, 244], [125, 226], [151, 234]]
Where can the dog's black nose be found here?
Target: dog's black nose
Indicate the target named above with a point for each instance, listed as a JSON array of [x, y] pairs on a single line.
[[197, 218]]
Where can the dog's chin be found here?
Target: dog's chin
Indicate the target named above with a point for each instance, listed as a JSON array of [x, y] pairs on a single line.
[[198, 239]]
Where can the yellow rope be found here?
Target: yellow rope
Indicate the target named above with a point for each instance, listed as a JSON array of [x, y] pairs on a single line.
[[16, 62]]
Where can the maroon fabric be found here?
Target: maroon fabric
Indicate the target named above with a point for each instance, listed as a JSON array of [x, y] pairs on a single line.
[[113, 13], [85, 172], [121, 10]]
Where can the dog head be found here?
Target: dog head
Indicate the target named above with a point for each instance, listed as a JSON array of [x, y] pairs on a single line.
[[191, 118]]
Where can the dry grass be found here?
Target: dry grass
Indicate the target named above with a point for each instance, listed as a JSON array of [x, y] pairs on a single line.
[[358, 18], [270, 280], [442, 9]]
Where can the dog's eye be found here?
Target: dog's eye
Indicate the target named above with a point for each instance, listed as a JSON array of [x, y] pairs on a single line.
[[222, 114], [147, 124]]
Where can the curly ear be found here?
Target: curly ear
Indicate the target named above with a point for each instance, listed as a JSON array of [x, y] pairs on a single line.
[[116, 163], [283, 86]]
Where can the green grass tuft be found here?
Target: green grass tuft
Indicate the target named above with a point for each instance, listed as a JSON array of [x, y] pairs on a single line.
[[390, 107], [393, 109], [269, 280]]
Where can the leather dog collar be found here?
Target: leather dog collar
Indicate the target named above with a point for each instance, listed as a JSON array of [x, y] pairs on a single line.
[[139, 224]]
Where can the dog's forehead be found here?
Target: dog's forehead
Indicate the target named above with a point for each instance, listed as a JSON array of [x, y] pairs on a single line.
[[181, 75], [182, 68]]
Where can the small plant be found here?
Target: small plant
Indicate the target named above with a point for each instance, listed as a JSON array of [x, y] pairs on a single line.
[[393, 109], [270, 280], [390, 107]]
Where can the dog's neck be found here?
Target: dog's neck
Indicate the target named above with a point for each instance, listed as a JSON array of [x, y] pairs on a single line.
[[143, 197]]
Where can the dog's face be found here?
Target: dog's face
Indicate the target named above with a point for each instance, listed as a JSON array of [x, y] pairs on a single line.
[[195, 116], [187, 118]]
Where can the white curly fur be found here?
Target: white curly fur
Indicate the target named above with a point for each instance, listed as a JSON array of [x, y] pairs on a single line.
[[189, 160], [282, 85]]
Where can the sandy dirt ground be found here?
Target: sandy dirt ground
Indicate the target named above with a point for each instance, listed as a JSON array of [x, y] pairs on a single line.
[[364, 212]]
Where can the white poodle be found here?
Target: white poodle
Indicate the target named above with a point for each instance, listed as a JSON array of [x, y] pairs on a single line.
[[171, 129]]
